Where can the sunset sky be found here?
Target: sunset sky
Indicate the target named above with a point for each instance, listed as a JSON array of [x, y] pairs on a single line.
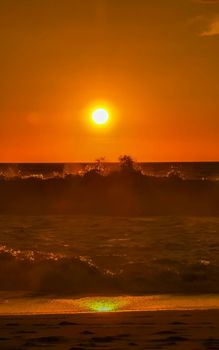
[[153, 64]]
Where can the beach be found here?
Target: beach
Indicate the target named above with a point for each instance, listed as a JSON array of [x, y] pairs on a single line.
[[191, 330]]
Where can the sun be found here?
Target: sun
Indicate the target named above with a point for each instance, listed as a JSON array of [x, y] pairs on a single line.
[[100, 116]]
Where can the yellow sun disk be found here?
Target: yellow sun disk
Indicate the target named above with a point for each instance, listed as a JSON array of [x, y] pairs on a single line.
[[100, 116]]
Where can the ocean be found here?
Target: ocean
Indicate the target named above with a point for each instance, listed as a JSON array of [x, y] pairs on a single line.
[[70, 262], [88, 255], [188, 170]]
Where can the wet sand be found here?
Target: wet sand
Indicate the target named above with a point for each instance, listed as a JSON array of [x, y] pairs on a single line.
[[195, 330]]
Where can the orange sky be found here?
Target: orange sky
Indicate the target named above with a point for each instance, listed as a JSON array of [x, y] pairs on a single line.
[[154, 64]]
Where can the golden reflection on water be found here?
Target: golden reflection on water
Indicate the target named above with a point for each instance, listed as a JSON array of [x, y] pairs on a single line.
[[14, 306], [103, 305]]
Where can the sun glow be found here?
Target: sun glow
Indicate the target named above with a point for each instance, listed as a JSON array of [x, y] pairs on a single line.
[[100, 116]]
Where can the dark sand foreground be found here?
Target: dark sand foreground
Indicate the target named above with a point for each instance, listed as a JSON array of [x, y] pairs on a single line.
[[195, 330]]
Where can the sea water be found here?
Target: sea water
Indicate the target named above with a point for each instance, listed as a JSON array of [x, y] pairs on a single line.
[[58, 259]]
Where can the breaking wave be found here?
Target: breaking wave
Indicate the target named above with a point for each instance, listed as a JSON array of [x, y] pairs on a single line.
[[40, 272], [190, 170], [105, 255], [49, 273]]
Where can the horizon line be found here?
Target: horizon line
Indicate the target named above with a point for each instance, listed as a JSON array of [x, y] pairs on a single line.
[[109, 162]]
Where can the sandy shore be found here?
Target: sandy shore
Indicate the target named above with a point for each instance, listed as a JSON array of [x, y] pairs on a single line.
[[193, 330]]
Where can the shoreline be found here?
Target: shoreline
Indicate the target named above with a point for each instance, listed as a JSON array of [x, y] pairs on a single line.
[[105, 304]]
